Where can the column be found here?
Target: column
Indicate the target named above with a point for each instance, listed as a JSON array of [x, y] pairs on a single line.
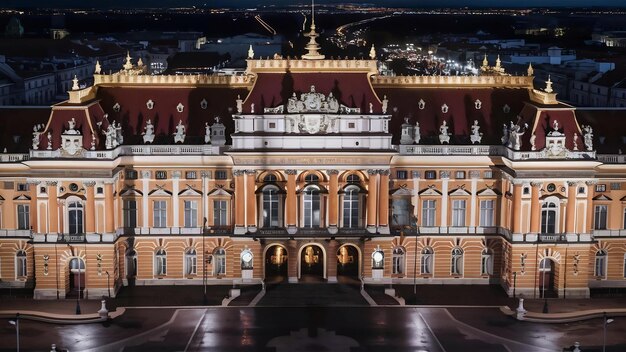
[[145, 188], [445, 178], [53, 207], [109, 225], [333, 198], [90, 209], [251, 214], [517, 207], [416, 189], [291, 209], [33, 218], [372, 194], [175, 201], [535, 208], [474, 175], [383, 199], [589, 207], [570, 210], [205, 186], [240, 193]]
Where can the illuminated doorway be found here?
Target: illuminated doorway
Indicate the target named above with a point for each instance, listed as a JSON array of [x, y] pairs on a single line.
[[276, 263], [348, 261], [312, 264]]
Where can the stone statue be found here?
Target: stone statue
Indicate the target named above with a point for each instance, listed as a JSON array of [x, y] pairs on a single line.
[[72, 125], [36, 134], [207, 133], [555, 125], [180, 135], [252, 108], [371, 108], [515, 134], [444, 136], [476, 136], [119, 134], [93, 142], [533, 137], [575, 141], [385, 103], [239, 104], [49, 141], [111, 136], [505, 134], [418, 136], [588, 137], [148, 134]]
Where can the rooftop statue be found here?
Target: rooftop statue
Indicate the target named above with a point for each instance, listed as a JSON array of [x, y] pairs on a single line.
[[476, 136], [148, 135], [444, 136], [72, 127], [180, 135]]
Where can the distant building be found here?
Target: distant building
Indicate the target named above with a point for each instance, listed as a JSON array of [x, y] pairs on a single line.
[[14, 28]]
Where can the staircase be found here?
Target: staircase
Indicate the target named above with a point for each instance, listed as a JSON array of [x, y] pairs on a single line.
[[312, 294]]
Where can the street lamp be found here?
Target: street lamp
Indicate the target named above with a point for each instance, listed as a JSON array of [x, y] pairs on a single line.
[[607, 321], [108, 283], [204, 276], [16, 322]]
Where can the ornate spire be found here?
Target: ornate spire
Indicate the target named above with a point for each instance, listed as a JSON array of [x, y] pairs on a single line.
[[98, 69], [485, 62], [549, 86], [530, 71], [75, 83], [139, 62], [373, 53], [250, 52], [128, 65], [312, 46], [498, 62]]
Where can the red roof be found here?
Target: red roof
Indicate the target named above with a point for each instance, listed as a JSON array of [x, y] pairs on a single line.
[[20, 122]]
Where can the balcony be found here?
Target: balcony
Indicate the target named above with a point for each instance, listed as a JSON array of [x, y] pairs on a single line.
[[174, 231], [128, 150], [499, 150], [15, 233]]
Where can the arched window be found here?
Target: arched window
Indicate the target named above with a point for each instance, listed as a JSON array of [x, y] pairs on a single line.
[[486, 262], [600, 264], [398, 260], [75, 218], [160, 263], [21, 269], [311, 206], [191, 267], [456, 264], [426, 261], [352, 178], [271, 206], [219, 261], [131, 263], [270, 178], [548, 217], [311, 178], [351, 207]]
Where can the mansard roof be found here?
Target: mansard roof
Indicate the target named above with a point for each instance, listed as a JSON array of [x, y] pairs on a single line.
[[16, 126]]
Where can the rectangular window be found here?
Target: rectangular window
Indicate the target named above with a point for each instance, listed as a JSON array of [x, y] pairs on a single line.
[[22, 187], [130, 213], [459, 175], [160, 175], [191, 213], [221, 175], [616, 186], [160, 213], [131, 174], [486, 212], [22, 270], [425, 263], [220, 212], [488, 174], [600, 217], [351, 125], [600, 265], [401, 174], [23, 217], [458, 212], [600, 188], [190, 175], [430, 174], [8, 185], [272, 124], [191, 265], [428, 212]]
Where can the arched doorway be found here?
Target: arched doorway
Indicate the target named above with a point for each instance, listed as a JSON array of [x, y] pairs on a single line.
[[312, 265], [348, 261], [275, 263], [546, 279], [76, 278]]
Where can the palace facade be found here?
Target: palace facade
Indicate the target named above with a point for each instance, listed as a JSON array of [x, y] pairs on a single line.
[[312, 167]]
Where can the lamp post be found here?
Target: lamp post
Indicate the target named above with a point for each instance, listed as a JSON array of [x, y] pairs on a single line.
[[607, 321], [16, 322], [108, 283], [204, 277]]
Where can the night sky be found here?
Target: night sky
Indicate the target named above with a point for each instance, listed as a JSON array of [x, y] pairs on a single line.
[[254, 3]]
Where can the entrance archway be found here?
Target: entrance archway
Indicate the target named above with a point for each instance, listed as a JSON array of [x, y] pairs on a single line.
[[348, 261], [131, 266], [276, 263], [77, 275], [312, 262], [547, 268]]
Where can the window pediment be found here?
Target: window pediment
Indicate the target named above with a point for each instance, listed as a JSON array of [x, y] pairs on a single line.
[[459, 192], [265, 187], [160, 192], [219, 192], [22, 197], [488, 192], [401, 192], [130, 192], [429, 192], [602, 197], [190, 192]]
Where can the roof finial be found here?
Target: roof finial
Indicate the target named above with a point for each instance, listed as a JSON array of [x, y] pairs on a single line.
[[98, 69], [312, 47], [373, 53], [485, 62], [128, 65], [498, 62], [75, 83], [530, 71], [549, 86], [250, 52]]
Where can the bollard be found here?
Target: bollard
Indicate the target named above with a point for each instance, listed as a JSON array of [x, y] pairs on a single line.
[[104, 313], [521, 312]]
